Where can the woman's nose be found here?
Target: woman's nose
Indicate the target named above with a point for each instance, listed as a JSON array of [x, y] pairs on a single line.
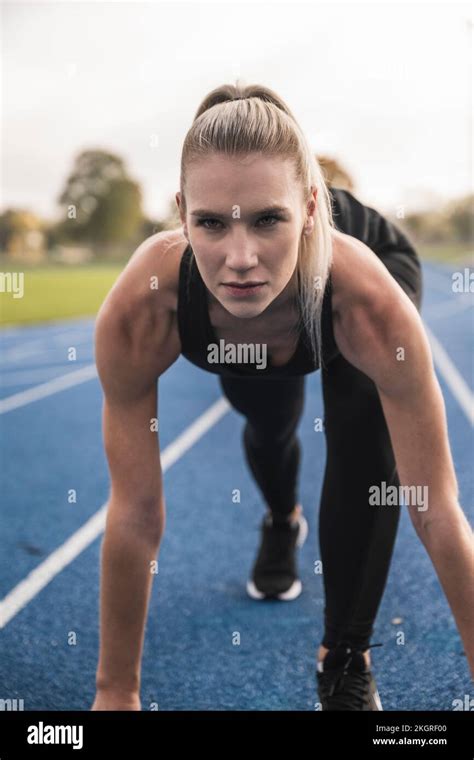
[[241, 253]]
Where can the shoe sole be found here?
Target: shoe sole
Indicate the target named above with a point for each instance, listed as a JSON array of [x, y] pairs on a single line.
[[377, 700], [296, 588]]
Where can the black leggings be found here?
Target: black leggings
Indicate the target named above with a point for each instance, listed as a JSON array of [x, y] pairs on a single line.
[[356, 540]]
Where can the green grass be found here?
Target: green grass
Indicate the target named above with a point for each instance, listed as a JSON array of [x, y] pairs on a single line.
[[56, 292], [457, 254]]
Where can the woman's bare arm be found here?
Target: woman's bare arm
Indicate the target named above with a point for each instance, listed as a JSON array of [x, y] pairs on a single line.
[[134, 346], [379, 331]]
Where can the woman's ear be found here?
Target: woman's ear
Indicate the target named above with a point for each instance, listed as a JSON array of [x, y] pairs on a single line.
[[310, 212], [182, 214], [312, 203]]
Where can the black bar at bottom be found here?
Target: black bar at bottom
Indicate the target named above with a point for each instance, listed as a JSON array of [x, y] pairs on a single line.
[[423, 734]]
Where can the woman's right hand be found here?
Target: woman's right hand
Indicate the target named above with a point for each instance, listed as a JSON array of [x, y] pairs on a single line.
[[108, 700]]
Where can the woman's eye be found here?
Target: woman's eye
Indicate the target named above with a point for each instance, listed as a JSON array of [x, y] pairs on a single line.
[[205, 222], [276, 218]]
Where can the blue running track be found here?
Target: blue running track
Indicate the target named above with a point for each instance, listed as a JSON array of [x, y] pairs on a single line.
[[52, 442]]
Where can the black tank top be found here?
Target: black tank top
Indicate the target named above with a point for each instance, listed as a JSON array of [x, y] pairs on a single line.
[[197, 334], [195, 329]]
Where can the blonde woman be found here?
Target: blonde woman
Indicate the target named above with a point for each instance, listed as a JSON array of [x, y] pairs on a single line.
[[270, 277]]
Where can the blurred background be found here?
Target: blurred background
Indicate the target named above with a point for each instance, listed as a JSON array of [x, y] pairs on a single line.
[[97, 98]]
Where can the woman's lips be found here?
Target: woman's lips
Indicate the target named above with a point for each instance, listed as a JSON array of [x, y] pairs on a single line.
[[243, 291]]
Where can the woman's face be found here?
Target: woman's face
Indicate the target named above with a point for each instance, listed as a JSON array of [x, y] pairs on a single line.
[[244, 219]]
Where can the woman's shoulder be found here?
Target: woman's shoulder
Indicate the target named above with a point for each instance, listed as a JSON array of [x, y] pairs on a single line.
[[158, 261], [359, 279], [148, 285], [151, 275]]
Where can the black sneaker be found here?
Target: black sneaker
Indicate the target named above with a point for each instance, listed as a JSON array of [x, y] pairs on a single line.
[[345, 682], [274, 574]]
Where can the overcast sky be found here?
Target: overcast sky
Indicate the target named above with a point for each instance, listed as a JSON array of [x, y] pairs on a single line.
[[387, 89]]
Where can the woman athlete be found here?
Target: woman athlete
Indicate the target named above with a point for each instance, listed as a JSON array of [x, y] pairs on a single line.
[[270, 277]]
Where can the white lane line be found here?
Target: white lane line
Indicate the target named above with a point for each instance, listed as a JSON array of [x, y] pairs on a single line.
[[453, 378], [28, 588], [47, 389], [448, 308], [40, 346], [25, 350], [28, 376], [193, 433]]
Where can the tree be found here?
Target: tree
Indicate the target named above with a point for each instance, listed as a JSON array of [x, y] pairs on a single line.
[[22, 234], [452, 223], [461, 217], [102, 204]]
